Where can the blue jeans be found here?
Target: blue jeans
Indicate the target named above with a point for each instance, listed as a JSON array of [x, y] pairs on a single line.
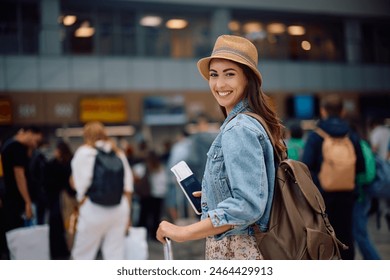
[[360, 232]]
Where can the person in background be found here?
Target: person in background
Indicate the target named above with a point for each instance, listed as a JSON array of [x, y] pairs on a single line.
[[152, 205], [295, 142], [201, 139], [98, 225], [167, 147], [379, 137], [176, 202], [362, 206], [15, 159], [339, 204], [57, 173], [36, 178], [17, 204], [239, 177]]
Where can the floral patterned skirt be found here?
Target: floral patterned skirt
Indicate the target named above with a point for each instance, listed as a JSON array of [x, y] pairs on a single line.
[[235, 247]]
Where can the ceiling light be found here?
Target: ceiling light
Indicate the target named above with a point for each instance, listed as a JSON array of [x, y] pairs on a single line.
[[252, 27], [306, 45], [276, 28], [69, 20], [151, 21], [234, 25], [85, 30], [176, 23], [296, 30]]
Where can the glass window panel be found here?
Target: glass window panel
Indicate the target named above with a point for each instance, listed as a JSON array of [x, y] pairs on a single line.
[[19, 28], [376, 47], [9, 28], [269, 32]]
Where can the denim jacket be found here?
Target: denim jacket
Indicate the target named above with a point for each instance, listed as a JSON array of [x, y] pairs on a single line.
[[238, 182]]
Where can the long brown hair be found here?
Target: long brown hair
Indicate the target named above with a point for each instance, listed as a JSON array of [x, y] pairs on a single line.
[[259, 103]]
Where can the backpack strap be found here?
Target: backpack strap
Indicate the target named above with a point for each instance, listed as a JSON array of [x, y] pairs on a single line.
[[321, 133]]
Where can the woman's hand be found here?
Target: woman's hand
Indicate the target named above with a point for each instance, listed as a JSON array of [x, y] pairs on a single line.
[[193, 231], [28, 211], [174, 232]]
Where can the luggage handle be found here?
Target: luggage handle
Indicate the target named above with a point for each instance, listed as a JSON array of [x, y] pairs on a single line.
[[168, 255]]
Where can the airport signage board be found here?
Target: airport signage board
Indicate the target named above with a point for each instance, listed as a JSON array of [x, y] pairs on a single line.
[[104, 109]]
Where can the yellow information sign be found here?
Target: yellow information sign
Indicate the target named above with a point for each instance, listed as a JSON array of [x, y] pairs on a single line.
[[104, 109]]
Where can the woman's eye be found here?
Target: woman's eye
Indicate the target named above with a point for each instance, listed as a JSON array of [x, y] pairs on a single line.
[[229, 74], [212, 74]]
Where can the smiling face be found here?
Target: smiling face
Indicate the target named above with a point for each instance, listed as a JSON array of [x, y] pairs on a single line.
[[227, 82]]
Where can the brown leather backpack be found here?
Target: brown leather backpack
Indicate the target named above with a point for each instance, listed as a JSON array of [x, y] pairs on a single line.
[[299, 228]]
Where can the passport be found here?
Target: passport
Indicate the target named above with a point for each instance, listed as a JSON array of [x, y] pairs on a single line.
[[189, 184]]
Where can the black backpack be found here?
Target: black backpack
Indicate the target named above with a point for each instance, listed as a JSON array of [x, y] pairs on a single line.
[[299, 228], [108, 179]]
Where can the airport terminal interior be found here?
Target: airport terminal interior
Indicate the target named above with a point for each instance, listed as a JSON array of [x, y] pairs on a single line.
[[131, 64]]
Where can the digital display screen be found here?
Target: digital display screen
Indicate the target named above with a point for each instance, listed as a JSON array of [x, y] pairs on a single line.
[[304, 106]]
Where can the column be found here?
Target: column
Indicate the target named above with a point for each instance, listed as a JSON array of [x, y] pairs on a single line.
[[353, 41], [50, 36], [219, 24]]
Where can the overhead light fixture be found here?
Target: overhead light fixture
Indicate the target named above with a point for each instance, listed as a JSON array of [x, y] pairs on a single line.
[[276, 28], [306, 45], [69, 20], [252, 27], [151, 21], [254, 31], [85, 30], [234, 25], [176, 24], [296, 30]]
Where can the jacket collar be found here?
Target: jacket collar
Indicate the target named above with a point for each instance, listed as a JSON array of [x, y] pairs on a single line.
[[241, 106]]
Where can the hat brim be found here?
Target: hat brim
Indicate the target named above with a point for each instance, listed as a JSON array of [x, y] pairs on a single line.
[[204, 63]]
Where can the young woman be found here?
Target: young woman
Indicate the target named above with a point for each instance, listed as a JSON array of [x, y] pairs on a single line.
[[238, 183], [99, 225]]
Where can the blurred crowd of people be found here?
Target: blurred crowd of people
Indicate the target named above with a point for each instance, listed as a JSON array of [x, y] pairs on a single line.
[[348, 211], [41, 183]]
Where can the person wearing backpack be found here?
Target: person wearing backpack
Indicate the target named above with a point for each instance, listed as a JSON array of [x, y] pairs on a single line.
[[102, 178], [239, 177], [334, 157], [362, 205]]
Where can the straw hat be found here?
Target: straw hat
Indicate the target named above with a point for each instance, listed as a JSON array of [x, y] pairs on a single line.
[[233, 48]]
